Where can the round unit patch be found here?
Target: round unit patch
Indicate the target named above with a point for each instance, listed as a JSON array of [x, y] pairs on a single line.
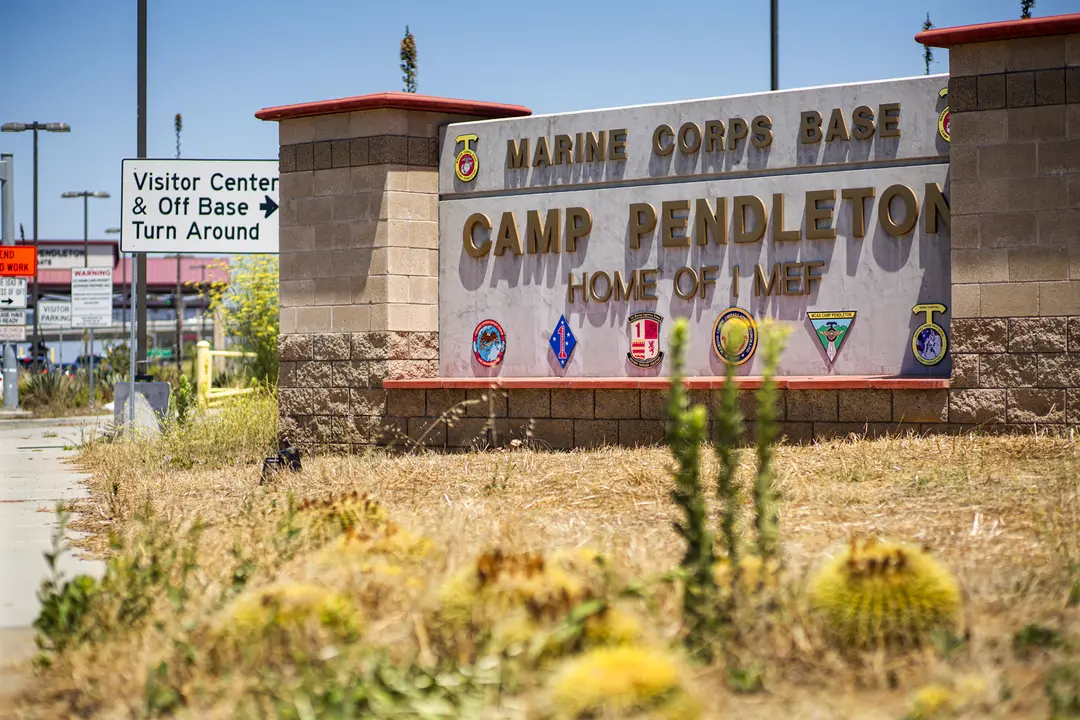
[[488, 343], [735, 327], [929, 343], [467, 165]]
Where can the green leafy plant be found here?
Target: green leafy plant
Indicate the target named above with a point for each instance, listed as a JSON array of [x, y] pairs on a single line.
[[766, 514], [1063, 690], [248, 308], [65, 604], [686, 428], [185, 401]]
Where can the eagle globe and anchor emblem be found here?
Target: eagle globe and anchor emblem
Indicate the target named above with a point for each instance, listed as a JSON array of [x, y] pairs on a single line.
[[489, 343], [466, 164]]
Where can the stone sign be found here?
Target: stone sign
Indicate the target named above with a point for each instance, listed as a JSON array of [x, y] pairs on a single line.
[[824, 208]]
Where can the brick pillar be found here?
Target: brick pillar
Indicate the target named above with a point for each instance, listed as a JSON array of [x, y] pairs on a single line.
[[359, 263], [1014, 98]]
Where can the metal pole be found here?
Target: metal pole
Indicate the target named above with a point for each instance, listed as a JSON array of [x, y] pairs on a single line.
[[773, 35], [179, 320], [131, 353], [37, 330], [86, 263], [7, 237], [140, 258]]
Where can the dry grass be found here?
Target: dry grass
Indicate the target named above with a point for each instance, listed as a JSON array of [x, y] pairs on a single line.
[[1003, 514]]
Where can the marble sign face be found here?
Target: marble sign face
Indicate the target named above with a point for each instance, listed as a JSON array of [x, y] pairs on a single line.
[[791, 206]]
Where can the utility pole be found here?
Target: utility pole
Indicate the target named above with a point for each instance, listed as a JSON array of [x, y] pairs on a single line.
[[7, 237], [774, 42]]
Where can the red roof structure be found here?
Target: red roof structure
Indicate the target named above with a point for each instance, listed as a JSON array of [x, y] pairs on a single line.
[[1007, 30], [394, 101]]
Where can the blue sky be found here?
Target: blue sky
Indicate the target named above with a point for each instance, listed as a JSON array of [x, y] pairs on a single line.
[[218, 62]]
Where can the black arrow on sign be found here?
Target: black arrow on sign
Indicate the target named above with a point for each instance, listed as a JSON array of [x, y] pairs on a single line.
[[269, 206], [7, 301]]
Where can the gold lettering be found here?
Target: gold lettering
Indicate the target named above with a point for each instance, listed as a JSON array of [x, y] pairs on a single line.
[[890, 120], [622, 290], [706, 280], [714, 135], [810, 127], [669, 223], [542, 158], [706, 221], [739, 205], [639, 226], [578, 225], [658, 140], [595, 146], [648, 284], [857, 196], [517, 156], [508, 235], [617, 144], [679, 274], [863, 120], [738, 131], [911, 210], [779, 234], [688, 148], [786, 288], [934, 204], [592, 286], [474, 250], [583, 287], [735, 281], [837, 126], [768, 286], [761, 132], [542, 236], [564, 147], [815, 212], [809, 277], [578, 148]]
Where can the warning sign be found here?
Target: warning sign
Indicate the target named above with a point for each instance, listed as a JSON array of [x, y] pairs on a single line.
[[199, 206]]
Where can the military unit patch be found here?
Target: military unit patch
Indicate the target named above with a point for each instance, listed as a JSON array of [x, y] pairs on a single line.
[[645, 339], [929, 341], [489, 343], [832, 329], [735, 336], [562, 341]]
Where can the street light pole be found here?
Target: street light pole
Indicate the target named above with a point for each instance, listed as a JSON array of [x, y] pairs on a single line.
[[7, 237], [86, 195], [48, 127]]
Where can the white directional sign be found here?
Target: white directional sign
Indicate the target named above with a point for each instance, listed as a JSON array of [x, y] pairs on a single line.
[[199, 206], [54, 313], [12, 326], [91, 297], [12, 293]]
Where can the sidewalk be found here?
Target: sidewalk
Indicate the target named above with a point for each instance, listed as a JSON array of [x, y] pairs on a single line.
[[34, 475]]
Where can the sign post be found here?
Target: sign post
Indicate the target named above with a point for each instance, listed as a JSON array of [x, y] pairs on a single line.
[[7, 239], [199, 206]]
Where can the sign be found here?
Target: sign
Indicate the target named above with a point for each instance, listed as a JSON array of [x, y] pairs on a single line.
[[199, 206], [91, 297], [54, 313], [12, 293], [723, 212], [18, 261], [66, 256], [164, 353], [12, 326]]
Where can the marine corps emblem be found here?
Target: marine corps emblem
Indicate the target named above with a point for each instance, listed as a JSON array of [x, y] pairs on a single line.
[[943, 118], [645, 339], [734, 336], [489, 343], [929, 342], [466, 164], [832, 329]]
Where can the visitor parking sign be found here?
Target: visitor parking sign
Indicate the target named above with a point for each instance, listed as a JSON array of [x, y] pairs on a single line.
[[199, 206]]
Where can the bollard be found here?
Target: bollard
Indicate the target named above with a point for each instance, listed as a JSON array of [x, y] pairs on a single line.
[[202, 372]]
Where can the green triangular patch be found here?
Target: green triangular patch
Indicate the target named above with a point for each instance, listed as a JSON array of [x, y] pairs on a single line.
[[832, 329]]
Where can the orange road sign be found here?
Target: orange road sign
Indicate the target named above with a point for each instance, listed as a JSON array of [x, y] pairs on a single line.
[[18, 261]]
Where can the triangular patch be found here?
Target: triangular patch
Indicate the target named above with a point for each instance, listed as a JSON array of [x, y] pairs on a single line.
[[832, 329]]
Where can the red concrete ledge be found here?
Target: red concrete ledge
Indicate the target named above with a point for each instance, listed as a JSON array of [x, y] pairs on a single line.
[[834, 382], [394, 101], [1007, 30]]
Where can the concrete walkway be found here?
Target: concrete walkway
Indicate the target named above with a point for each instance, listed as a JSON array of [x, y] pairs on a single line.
[[34, 476]]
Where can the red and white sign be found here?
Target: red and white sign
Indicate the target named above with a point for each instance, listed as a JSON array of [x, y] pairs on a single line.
[[91, 297]]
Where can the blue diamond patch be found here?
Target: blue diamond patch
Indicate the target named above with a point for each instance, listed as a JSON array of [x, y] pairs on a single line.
[[562, 342]]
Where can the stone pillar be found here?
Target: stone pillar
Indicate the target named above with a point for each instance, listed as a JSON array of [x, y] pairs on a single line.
[[1014, 98], [359, 260]]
